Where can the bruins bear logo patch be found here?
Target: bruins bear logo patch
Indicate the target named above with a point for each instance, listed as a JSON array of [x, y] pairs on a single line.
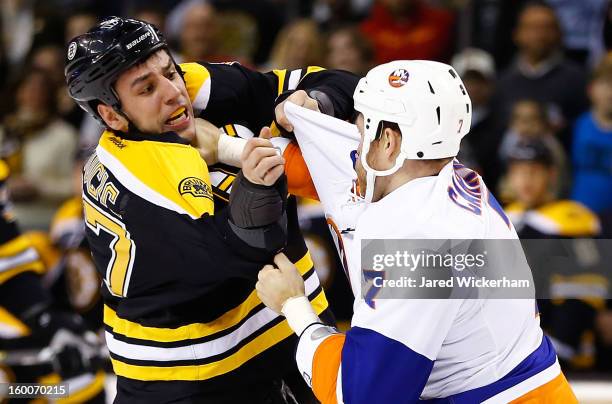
[[196, 187]]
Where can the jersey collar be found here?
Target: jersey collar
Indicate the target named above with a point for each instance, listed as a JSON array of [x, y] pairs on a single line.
[[166, 137]]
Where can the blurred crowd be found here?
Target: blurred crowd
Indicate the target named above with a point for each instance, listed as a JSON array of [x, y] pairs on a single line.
[[539, 75]]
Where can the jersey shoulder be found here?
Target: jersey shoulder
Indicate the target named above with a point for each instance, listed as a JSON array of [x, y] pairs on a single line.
[[67, 227], [166, 172], [198, 82], [570, 218]]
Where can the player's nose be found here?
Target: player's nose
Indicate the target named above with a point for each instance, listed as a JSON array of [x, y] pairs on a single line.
[[171, 91]]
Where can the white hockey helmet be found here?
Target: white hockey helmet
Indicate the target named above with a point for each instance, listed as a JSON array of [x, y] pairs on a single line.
[[426, 99]]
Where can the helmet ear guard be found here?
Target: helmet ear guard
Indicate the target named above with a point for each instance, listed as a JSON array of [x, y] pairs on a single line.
[[426, 99]]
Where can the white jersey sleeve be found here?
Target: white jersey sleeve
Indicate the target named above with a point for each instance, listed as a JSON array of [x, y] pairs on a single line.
[[329, 147]]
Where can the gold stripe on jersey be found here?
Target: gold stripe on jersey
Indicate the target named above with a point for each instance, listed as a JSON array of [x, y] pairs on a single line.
[[230, 130], [146, 159], [83, 394], [68, 220], [15, 246], [37, 267], [274, 131], [572, 218], [19, 256], [590, 288], [198, 83], [47, 252], [283, 83], [313, 69], [203, 372], [226, 183], [562, 218], [72, 208], [281, 74], [197, 330], [4, 170], [11, 326]]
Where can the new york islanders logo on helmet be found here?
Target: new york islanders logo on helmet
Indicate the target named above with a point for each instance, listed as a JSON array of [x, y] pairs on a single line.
[[398, 78]]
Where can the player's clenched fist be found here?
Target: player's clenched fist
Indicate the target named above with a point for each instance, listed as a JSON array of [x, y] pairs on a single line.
[[277, 284], [299, 98], [261, 162]]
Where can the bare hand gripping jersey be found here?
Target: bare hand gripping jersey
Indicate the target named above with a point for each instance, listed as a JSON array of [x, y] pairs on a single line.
[[403, 350]]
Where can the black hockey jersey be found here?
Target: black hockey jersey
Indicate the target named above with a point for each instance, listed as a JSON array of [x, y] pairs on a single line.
[[180, 303]]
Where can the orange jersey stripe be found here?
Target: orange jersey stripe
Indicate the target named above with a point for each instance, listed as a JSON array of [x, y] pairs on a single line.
[[298, 177], [555, 391], [325, 365]]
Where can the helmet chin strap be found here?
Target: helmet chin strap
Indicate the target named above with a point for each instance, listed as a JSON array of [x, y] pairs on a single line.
[[371, 173]]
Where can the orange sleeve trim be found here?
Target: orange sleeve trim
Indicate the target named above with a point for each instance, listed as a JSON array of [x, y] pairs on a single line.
[[557, 390], [325, 365], [298, 176]]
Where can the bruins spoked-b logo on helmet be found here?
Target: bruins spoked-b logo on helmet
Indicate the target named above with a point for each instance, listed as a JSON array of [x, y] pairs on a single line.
[[195, 187]]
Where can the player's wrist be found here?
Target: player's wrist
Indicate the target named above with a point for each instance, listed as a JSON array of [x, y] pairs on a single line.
[[229, 150], [299, 313]]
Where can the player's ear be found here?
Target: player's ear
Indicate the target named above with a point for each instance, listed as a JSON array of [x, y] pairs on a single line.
[[391, 142], [112, 118]]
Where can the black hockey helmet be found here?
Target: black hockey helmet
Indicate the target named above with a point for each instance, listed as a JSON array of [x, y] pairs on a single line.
[[532, 150], [95, 59]]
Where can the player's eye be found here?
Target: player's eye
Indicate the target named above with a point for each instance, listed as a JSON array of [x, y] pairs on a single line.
[[171, 75], [146, 90]]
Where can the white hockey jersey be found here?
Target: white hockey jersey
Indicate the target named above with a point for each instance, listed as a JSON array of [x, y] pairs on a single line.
[[406, 350]]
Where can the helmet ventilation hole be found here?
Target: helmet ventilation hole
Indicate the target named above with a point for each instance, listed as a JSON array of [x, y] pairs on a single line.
[[431, 88]]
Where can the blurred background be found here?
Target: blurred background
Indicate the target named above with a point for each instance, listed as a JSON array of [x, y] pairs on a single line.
[[539, 74]]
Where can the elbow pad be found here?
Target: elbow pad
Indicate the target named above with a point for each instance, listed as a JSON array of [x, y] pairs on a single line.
[[257, 213], [254, 205]]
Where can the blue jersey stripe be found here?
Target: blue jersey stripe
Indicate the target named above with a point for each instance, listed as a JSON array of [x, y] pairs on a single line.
[[540, 359], [378, 369]]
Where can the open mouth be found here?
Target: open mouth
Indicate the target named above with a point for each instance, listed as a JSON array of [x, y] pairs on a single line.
[[178, 117]]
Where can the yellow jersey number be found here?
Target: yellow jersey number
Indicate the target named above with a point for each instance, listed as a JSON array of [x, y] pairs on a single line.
[[123, 249]]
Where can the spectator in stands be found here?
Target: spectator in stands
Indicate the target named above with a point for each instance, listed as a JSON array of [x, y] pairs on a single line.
[[592, 145], [18, 28], [50, 58], [529, 120], [79, 22], [477, 70], [38, 146], [348, 49], [581, 22], [577, 288], [536, 212], [153, 14], [297, 44], [199, 34], [540, 71], [408, 29], [330, 13]]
